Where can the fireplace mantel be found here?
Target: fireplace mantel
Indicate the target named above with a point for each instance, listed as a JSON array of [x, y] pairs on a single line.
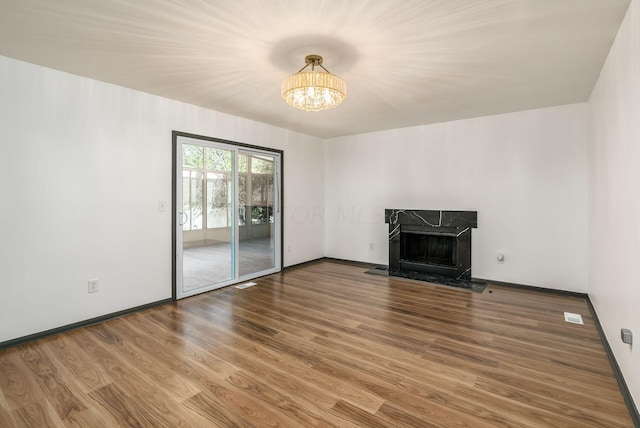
[[446, 229], [432, 218]]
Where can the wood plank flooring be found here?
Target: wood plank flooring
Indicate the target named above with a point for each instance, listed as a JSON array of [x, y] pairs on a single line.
[[323, 345]]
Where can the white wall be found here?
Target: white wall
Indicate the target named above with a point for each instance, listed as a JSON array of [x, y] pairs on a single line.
[[524, 173], [614, 196], [83, 165]]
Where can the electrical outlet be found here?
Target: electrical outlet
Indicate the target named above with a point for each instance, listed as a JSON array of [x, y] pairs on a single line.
[[371, 247], [500, 258], [93, 286], [626, 336], [288, 248], [162, 206]]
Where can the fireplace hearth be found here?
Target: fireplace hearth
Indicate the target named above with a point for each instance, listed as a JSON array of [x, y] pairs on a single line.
[[431, 242]]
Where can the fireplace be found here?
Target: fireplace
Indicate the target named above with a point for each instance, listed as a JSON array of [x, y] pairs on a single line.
[[433, 242]]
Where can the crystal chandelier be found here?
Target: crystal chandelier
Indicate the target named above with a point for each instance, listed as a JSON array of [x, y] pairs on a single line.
[[313, 90]]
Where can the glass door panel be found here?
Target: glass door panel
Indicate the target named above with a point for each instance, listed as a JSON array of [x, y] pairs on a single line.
[[206, 220], [258, 213]]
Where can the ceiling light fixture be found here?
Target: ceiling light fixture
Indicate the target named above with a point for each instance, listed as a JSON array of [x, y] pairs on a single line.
[[313, 90]]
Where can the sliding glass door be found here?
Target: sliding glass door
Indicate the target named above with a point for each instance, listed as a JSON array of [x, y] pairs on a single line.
[[227, 214]]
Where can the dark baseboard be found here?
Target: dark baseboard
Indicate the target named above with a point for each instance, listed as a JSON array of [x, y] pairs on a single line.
[[532, 288], [622, 384], [302, 264], [30, 338], [333, 260], [350, 262]]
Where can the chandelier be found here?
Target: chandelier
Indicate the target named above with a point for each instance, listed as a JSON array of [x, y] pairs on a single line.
[[313, 90]]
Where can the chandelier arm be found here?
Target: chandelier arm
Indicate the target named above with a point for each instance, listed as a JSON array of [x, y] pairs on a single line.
[[306, 65], [321, 66]]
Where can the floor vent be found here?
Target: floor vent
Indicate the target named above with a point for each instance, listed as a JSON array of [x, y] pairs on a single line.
[[573, 318], [251, 284]]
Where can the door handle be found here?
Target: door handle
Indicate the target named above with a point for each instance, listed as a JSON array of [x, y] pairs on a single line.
[[186, 218]]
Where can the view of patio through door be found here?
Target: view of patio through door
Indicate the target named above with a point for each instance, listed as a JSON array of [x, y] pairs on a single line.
[[227, 202]]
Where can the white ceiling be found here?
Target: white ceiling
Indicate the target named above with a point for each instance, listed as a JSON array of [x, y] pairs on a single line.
[[406, 62]]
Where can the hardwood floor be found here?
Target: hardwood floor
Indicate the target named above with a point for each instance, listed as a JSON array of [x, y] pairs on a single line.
[[323, 345]]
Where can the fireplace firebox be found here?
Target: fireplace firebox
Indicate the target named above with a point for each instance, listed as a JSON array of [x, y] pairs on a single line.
[[420, 247], [433, 242]]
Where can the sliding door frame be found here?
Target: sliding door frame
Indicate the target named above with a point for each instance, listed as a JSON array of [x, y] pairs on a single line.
[[175, 203]]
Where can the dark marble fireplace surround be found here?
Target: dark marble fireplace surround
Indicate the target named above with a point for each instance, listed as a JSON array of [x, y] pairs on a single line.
[[430, 241]]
